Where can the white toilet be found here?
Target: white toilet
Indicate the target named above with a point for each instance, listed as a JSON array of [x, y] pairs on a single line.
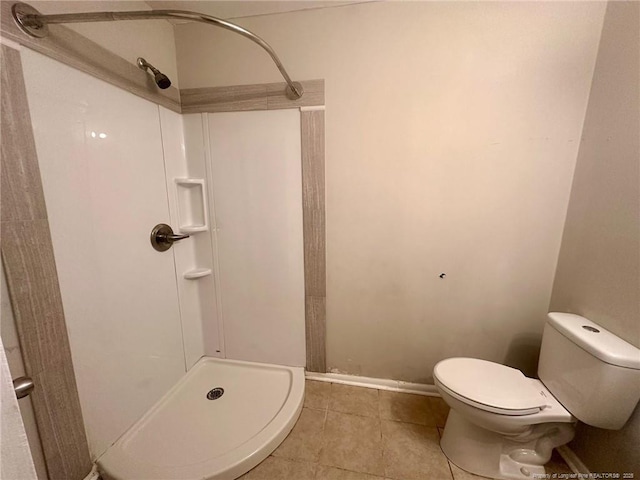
[[505, 425]]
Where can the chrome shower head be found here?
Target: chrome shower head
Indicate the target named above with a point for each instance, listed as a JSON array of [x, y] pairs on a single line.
[[161, 79]]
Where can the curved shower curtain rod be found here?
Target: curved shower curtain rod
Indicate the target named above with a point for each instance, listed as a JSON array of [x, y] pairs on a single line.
[[33, 23]]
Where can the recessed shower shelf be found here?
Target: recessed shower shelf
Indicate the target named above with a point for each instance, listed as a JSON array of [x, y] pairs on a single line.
[[192, 205], [197, 273]]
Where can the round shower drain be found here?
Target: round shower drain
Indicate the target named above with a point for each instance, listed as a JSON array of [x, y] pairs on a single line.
[[215, 393]]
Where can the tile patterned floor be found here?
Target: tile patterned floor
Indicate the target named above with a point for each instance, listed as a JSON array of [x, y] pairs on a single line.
[[352, 433]]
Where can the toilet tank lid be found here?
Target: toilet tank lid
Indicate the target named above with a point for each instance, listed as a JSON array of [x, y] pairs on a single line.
[[596, 340]]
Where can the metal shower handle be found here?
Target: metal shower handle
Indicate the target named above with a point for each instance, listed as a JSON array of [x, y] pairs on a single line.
[[162, 237], [172, 237]]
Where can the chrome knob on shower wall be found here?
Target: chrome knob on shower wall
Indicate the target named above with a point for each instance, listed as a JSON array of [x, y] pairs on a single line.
[[162, 237]]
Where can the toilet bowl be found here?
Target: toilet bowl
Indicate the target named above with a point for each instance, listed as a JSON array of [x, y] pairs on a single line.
[[501, 424], [504, 425]]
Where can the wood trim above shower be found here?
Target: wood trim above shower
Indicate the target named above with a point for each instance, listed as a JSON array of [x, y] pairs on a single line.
[[77, 51], [241, 98]]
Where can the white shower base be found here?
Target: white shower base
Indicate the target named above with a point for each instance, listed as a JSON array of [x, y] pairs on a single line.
[[185, 436]]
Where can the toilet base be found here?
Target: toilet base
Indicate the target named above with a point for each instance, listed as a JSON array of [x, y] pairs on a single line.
[[493, 455]]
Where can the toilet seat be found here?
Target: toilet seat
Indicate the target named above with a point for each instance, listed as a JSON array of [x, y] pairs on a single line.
[[490, 386]]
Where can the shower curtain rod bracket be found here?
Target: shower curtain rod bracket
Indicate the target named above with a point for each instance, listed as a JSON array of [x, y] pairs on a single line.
[[26, 18], [35, 24]]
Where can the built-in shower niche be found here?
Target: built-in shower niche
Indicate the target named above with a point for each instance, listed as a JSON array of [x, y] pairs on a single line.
[[192, 214], [192, 205]]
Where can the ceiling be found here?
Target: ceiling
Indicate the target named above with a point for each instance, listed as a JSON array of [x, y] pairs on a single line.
[[239, 9]]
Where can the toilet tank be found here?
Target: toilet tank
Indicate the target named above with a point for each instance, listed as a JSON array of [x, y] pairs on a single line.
[[592, 372]]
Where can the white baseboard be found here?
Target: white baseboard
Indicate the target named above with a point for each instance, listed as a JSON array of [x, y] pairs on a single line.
[[377, 383], [573, 461]]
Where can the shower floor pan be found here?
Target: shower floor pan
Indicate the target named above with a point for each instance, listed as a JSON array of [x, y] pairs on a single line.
[[218, 422]]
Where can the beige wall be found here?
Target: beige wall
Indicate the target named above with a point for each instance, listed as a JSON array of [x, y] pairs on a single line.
[[452, 132], [151, 39], [598, 272]]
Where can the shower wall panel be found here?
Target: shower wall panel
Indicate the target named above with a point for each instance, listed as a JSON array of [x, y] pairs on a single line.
[[183, 140], [256, 179], [101, 161]]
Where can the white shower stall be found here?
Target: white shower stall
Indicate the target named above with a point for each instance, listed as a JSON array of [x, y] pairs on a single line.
[[113, 166]]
